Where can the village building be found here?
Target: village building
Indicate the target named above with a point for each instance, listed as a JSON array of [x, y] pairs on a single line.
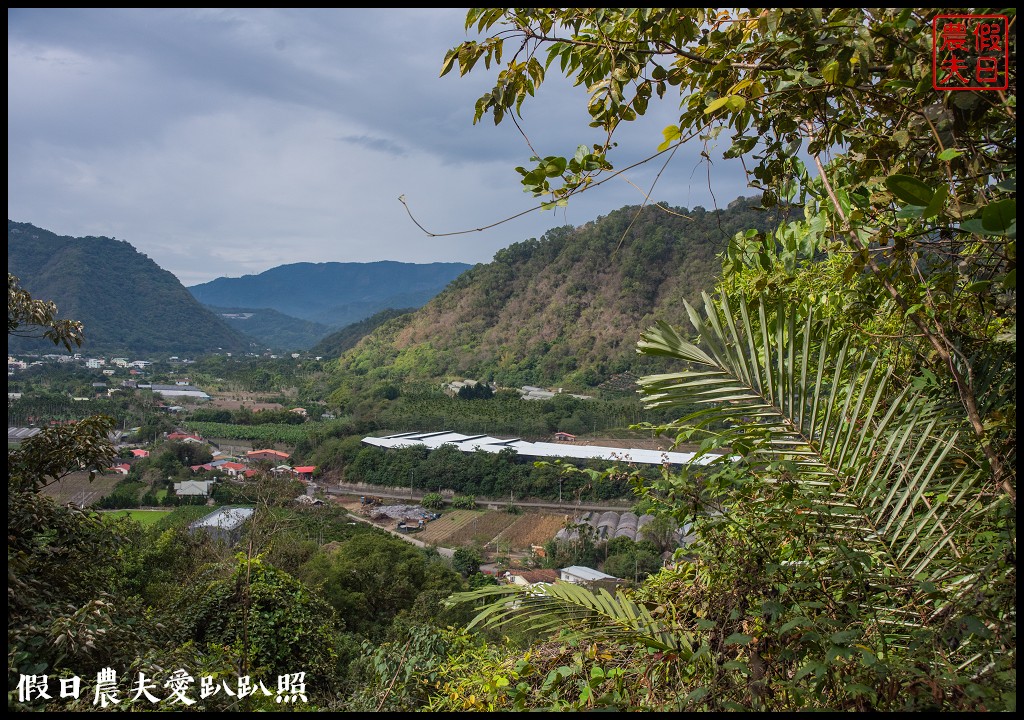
[[588, 577], [224, 524], [524, 578], [179, 391], [272, 455], [193, 488]]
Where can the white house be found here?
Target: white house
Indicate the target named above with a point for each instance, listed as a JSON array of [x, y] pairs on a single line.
[[193, 488], [580, 575], [173, 391]]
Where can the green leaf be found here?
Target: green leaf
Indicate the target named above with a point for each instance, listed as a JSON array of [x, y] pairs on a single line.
[[737, 102], [844, 636], [949, 153], [738, 639], [938, 201], [910, 212], [794, 623], [554, 166], [909, 189], [997, 217], [717, 104], [697, 695], [671, 134], [831, 72], [737, 665], [1010, 280]]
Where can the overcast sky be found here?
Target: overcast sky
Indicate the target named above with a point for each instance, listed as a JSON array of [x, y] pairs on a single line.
[[227, 142]]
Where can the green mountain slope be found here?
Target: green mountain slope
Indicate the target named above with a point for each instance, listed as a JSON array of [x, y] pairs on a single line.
[[563, 310], [349, 336], [333, 293], [125, 301], [273, 329]]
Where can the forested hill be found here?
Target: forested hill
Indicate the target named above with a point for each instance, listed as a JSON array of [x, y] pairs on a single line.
[[124, 300], [563, 310], [272, 329], [341, 340], [334, 294]]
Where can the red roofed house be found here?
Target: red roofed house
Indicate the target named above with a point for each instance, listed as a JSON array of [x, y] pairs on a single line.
[[139, 452], [565, 437], [305, 472], [273, 455], [185, 437], [123, 468], [233, 468]]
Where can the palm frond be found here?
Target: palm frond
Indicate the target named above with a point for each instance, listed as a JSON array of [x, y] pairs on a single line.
[[880, 461], [575, 610]]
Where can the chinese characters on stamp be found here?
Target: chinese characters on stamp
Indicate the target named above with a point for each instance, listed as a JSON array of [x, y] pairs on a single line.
[[970, 52]]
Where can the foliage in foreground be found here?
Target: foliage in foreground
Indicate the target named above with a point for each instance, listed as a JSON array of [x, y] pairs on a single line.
[[856, 524]]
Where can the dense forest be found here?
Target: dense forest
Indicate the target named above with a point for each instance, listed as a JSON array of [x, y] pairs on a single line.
[[555, 311], [272, 329], [126, 302], [337, 343]]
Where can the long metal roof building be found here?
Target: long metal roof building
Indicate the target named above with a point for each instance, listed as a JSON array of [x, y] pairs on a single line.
[[486, 443]]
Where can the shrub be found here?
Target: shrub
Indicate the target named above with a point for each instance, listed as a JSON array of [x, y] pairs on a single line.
[[433, 501], [464, 502]]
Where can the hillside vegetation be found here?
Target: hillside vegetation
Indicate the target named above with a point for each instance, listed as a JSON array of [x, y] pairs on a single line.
[[338, 342], [125, 301], [274, 329], [563, 310]]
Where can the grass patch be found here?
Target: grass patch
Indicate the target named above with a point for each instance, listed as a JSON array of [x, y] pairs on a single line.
[[184, 515], [146, 518]]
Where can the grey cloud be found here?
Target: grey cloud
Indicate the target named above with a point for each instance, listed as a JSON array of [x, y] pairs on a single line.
[[376, 144]]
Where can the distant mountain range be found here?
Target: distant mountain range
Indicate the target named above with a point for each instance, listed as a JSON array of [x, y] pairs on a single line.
[[564, 310], [272, 329], [333, 294], [125, 301]]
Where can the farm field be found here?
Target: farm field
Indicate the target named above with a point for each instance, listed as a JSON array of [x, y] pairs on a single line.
[[76, 488], [437, 532], [483, 528], [456, 528], [145, 518], [530, 529]]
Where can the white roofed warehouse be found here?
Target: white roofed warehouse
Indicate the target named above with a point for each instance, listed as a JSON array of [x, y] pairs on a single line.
[[224, 524], [486, 443]]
